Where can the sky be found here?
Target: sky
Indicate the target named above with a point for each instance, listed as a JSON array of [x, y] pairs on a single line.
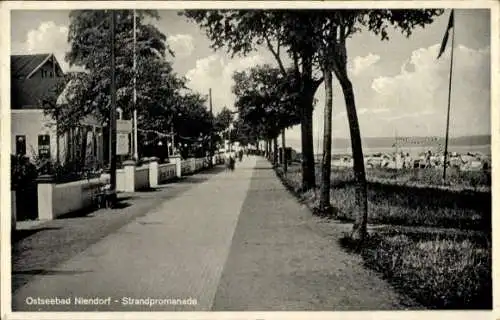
[[400, 87]]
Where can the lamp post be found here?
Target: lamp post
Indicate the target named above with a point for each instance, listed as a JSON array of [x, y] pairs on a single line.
[[230, 140], [113, 110], [210, 150], [136, 155], [231, 127]]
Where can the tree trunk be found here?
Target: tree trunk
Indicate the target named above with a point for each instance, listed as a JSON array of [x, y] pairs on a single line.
[[83, 152], [283, 157], [268, 149], [74, 133], [359, 230], [58, 147], [306, 128], [324, 202], [271, 150], [69, 137], [276, 151]]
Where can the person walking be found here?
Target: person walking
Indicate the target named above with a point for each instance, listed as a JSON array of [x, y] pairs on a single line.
[[428, 159], [228, 160], [408, 161], [232, 159]]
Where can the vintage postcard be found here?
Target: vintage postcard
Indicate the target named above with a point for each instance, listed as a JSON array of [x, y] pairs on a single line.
[[248, 160]]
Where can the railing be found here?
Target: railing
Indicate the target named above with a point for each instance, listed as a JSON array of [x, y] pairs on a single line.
[[167, 172], [186, 167], [141, 180]]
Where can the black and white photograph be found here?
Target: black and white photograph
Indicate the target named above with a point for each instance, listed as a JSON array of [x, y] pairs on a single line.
[[249, 157]]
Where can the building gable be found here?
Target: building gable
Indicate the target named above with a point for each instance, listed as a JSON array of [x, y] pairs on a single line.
[[22, 65], [33, 78]]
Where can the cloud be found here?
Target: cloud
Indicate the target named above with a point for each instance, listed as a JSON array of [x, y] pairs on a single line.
[[360, 64], [47, 38], [181, 44], [414, 100], [419, 93], [216, 72]]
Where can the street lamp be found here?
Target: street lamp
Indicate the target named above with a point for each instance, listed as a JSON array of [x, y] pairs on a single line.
[[113, 112], [210, 150], [230, 140], [136, 154]]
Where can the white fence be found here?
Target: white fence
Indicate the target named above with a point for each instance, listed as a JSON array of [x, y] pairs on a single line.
[[132, 178], [166, 172], [186, 167], [142, 177], [55, 200]]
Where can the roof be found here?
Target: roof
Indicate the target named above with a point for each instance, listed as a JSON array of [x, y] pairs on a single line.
[[23, 65], [26, 92]]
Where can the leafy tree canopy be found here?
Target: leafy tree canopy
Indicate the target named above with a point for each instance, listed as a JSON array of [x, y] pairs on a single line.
[[302, 33], [266, 99], [223, 120], [90, 47]]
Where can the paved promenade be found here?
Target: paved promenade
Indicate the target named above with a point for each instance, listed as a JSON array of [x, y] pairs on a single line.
[[220, 241]]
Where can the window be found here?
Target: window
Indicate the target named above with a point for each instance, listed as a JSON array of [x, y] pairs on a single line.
[[44, 73], [51, 74], [44, 146], [20, 145]]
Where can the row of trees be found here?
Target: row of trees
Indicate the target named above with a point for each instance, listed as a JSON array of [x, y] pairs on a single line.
[[164, 103], [266, 103], [309, 46]]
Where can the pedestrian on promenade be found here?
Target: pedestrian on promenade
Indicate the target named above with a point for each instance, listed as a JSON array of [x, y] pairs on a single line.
[[233, 159], [428, 159], [227, 161], [231, 162], [408, 161]]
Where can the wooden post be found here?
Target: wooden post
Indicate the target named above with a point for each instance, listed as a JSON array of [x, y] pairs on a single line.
[[112, 114]]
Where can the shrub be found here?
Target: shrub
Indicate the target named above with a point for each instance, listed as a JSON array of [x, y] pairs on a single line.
[[23, 172], [68, 171]]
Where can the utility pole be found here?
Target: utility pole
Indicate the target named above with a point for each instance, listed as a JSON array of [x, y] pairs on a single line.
[[451, 25], [229, 138], [112, 114], [210, 151], [136, 154]]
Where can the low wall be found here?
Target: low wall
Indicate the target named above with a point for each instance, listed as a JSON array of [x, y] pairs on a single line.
[[199, 164], [141, 179], [166, 172], [67, 197], [186, 167], [55, 200], [120, 180]]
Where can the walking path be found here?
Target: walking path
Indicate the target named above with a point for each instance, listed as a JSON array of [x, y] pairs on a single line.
[[284, 259], [235, 241]]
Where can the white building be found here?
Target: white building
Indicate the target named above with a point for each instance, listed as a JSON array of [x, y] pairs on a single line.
[[34, 79]]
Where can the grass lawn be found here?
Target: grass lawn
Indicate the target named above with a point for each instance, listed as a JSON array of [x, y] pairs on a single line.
[[450, 270]]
